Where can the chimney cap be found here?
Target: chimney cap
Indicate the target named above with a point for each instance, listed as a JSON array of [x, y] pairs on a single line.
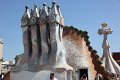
[[53, 2], [26, 7], [58, 6], [44, 4], [49, 7], [35, 5]]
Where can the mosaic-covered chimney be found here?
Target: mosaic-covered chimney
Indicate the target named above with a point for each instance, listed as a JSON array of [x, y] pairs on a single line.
[[42, 37]]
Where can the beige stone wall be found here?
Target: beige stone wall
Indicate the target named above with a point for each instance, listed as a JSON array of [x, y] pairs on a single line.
[[92, 70], [76, 48]]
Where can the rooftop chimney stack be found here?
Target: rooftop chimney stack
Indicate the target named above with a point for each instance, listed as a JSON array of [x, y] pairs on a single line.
[[42, 37]]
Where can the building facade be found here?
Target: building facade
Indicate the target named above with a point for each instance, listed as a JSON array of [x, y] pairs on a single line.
[[6, 66], [116, 57], [1, 52]]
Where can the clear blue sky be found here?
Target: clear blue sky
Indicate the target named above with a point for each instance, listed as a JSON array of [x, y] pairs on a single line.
[[83, 14]]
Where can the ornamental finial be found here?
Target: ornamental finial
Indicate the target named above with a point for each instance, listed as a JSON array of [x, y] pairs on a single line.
[[104, 25]]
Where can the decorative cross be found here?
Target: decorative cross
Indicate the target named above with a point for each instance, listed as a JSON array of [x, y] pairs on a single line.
[[104, 30]]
